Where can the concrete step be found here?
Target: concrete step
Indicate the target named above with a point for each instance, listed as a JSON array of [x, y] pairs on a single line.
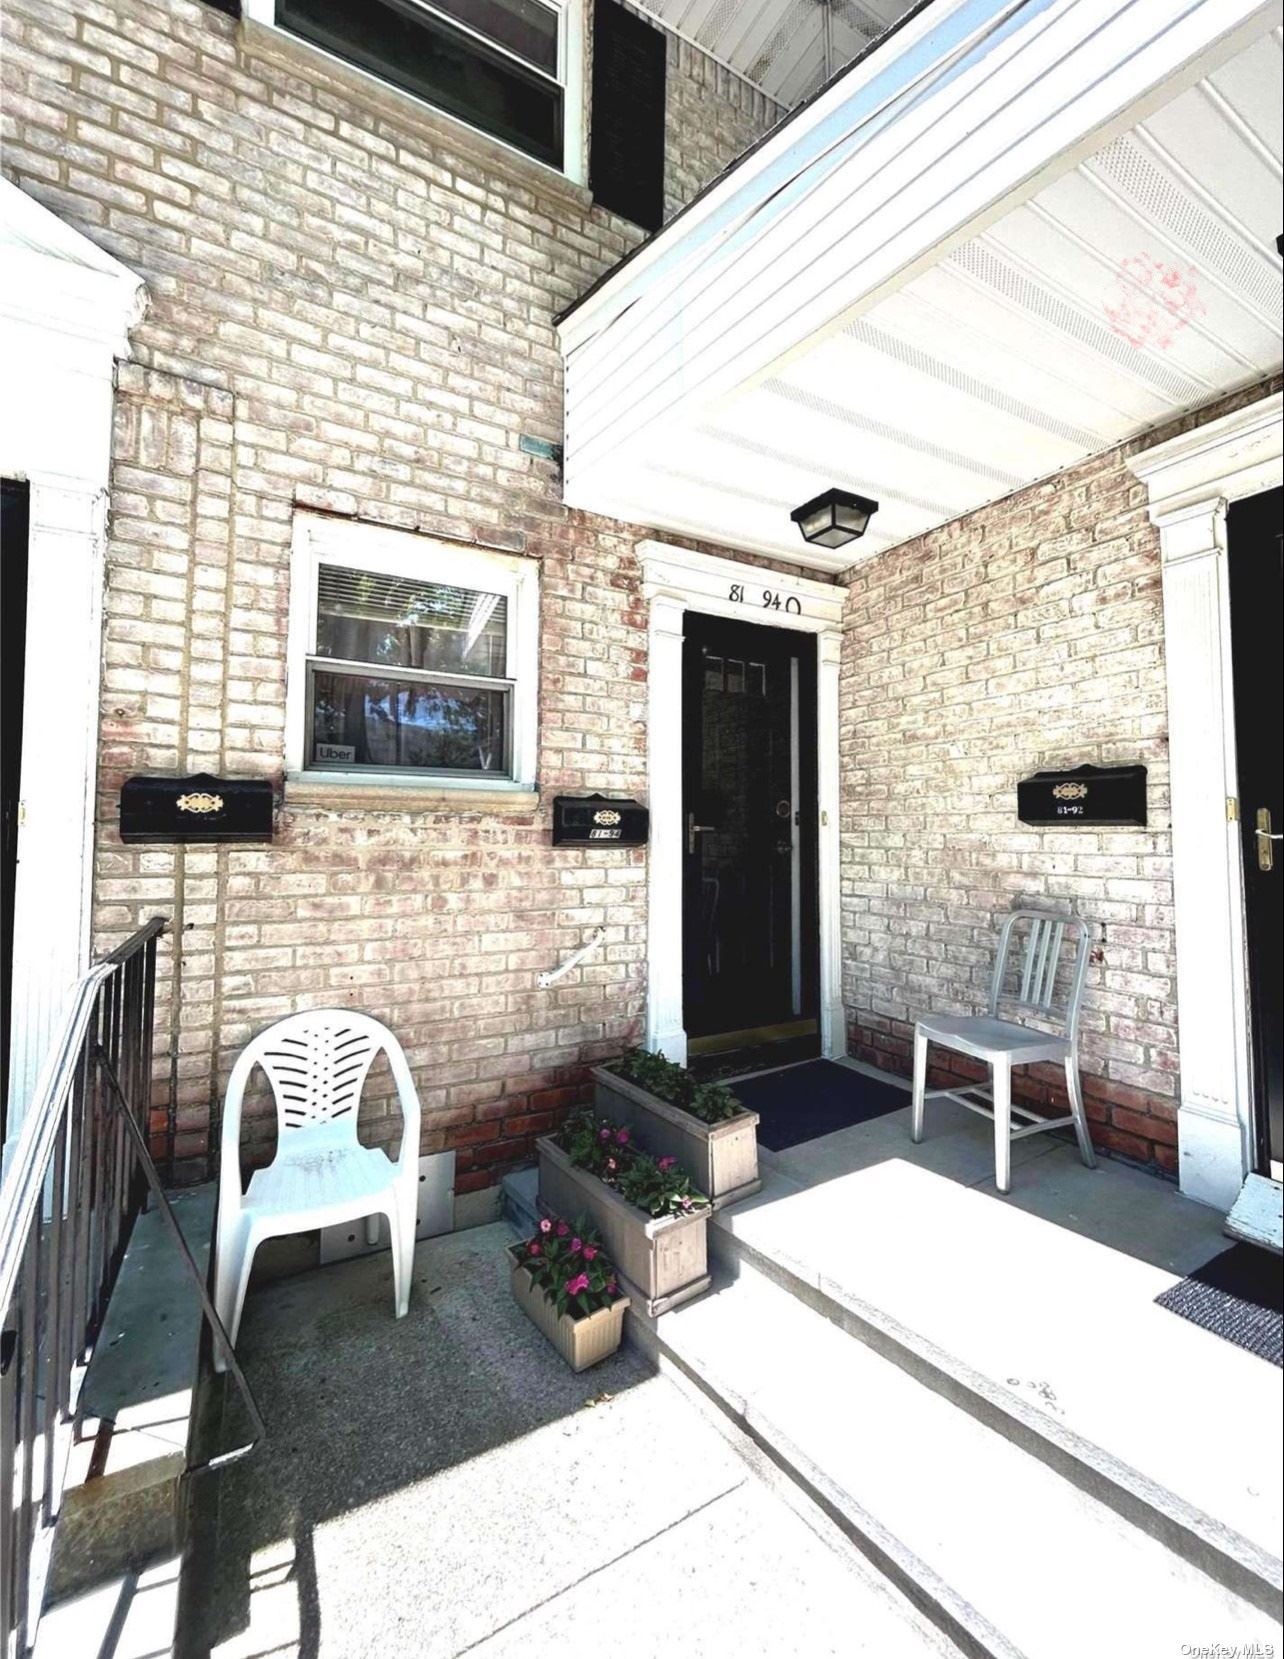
[[1004, 1553], [1231, 1559], [133, 1614], [122, 1507], [520, 1203]]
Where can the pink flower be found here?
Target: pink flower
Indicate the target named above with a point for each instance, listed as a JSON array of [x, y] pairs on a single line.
[[576, 1246], [665, 1163], [611, 1287], [622, 1136], [532, 1249], [590, 1252], [546, 1226], [562, 1229], [604, 1134], [610, 1163], [576, 1285]]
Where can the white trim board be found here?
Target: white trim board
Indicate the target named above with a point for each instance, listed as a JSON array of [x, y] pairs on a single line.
[[675, 581], [65, 311], [1192, 479]]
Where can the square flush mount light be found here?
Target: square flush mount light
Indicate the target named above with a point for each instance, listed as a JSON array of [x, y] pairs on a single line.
[[834, 518]]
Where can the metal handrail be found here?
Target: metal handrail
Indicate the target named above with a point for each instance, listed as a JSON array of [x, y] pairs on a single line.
[[26, 1167], [75, 1179]]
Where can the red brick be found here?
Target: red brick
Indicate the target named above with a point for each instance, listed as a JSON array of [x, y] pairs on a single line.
[[1157, 1130]]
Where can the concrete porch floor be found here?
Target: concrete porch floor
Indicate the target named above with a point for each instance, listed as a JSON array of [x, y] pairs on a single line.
[[1046, 1295], [443, 1484]]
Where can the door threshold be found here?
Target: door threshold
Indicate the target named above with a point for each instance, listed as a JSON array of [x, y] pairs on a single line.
[[752, 1036], [749, 1058]]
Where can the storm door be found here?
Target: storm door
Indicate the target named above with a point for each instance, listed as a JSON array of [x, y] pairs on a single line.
[[750, 941], [1253, 528], [14, 526]]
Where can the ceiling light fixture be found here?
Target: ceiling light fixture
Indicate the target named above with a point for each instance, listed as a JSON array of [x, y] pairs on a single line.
[[834, 518]]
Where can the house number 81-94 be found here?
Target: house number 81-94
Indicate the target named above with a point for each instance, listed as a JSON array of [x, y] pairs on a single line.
[[771, 601]]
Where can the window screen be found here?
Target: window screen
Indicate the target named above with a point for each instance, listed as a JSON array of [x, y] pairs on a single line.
[[412, 48], [400, 622], [408, 674], [521, 26]]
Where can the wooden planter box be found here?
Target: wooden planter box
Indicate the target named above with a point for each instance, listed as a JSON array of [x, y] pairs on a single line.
[[580, 1342], [661, 1262], [721, 1158]]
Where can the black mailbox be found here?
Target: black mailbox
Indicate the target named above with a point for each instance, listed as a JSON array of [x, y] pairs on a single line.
[[1087, 795], [598, 821], [199, 808]]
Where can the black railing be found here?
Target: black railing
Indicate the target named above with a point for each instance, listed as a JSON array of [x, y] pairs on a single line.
[[73, 1184]]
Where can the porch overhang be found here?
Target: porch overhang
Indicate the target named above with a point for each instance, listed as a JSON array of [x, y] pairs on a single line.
[[1014, 234]]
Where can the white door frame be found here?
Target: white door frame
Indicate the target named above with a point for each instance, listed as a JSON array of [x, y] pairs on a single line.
[[1192, 479], [674, 581], [65, 311]]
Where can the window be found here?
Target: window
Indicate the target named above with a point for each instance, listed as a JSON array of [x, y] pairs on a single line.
[[508, 67], [410, 659]]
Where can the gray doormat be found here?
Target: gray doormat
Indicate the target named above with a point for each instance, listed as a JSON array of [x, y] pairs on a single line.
[[1239, 1296]]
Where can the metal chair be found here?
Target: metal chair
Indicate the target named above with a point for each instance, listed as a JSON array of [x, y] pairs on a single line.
[[317, 1064], [1003, 1044]]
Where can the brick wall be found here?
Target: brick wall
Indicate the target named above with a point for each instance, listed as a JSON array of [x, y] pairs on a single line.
[[696, 151], [351, 309], [1028, 635]]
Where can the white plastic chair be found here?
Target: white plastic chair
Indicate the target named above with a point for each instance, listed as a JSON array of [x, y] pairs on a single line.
[[1003, 1044], [317, 1063]]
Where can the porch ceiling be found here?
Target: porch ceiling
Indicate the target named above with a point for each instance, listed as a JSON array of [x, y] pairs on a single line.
[[787, 48], [1100, 264]]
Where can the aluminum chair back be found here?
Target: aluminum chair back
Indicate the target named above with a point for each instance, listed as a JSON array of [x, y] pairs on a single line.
[[1048, 981]]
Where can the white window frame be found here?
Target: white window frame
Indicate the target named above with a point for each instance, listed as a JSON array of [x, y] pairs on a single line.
[[355, 545], [570, 77]]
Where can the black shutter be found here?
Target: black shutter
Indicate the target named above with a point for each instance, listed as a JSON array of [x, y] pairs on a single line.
[[626, 145]]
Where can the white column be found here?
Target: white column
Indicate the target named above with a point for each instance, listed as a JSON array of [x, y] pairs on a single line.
[[1190, 479], [1214, 1111], [665, 1032], [833, 1019], [59, 742], [65, 311]]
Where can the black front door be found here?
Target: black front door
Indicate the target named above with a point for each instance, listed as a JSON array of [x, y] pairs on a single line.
[[1254, 528], [749, 799], [14, 514]]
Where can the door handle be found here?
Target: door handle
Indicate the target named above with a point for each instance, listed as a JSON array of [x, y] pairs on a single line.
[[694, 829], [1265, 839]]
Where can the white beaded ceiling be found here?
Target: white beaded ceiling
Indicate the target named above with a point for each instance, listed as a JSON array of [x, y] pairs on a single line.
[[787, 48]]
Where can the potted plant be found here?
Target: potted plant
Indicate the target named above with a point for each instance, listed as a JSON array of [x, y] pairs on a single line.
[[703, 1125], [650, 1216], [564, 1282]]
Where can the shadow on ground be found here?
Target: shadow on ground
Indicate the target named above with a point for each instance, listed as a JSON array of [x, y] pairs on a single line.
[[381, 1441]]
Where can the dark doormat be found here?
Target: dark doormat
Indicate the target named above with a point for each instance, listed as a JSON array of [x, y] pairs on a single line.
[[1238, 1295], [805, 1102]]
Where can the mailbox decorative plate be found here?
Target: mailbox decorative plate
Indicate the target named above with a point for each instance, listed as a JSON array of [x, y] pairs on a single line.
[[1087, 795], [598, 821], [200, 808]]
